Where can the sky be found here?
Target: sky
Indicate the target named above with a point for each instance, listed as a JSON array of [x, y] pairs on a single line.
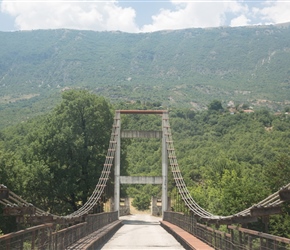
[[135, 16]]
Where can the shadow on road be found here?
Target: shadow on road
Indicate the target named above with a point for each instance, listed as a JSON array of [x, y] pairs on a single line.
[[140, 222]]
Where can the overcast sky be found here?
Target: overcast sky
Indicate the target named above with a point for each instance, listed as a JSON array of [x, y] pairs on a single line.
[[138, 15]]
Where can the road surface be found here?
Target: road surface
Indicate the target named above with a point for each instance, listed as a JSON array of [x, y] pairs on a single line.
[[142, 231]]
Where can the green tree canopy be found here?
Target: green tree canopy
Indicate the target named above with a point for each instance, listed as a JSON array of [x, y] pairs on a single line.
[[215, 105], [72, 147]]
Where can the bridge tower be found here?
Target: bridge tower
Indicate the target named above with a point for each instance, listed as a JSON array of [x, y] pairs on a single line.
[[163, 180]]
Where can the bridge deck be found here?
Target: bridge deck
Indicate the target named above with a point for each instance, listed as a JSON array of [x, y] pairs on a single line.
[[139, 231], [142, 231]]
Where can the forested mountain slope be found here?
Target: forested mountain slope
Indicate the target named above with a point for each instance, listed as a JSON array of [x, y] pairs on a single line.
[[186, 68]]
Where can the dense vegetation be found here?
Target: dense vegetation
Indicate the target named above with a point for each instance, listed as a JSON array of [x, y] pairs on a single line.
[[183, 68], [229, 161], [53, 160]]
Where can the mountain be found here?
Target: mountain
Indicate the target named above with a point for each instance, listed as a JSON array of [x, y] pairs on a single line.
[[186, 68]]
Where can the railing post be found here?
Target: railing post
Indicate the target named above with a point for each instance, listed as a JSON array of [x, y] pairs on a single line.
[[7, 244], [32, 240], [49, 239], [55, 241], [250, 242], [240, 238], [21, 242], [232, 239], [215, 242]]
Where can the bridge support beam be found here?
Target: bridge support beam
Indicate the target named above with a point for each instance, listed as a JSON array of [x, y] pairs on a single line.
[[164, 172], [117, 165]]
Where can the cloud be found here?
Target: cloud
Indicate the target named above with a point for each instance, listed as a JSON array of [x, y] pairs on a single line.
[[103, 15], [241, 20], [275, 12], [47, 14], [195, 14]]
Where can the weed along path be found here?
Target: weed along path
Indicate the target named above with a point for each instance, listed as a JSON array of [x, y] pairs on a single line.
[[142, 231]]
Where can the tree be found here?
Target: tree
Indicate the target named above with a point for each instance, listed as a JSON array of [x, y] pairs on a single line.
[[277, 172], [215, 105], [73, 145]]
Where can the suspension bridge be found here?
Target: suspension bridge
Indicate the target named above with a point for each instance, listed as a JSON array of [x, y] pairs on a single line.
[[83, 229]]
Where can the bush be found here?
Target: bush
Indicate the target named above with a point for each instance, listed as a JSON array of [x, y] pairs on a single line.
[[141, 202]]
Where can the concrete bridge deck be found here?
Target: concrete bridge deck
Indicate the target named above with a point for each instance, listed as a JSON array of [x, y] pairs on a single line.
[[143, 231]]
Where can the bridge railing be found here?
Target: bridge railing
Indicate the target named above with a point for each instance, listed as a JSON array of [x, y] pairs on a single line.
[[257, 240], [236, 239], [37, 237], [97, 221], [45, 237], [63, 238]]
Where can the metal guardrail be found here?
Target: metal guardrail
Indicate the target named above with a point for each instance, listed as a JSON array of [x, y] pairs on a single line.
[[236, 238], [45, 237], [38, 237], [257, 240], [97, 221], [67, 236]]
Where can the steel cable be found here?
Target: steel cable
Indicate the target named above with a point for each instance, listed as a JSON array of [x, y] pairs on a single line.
[[271, 200]]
